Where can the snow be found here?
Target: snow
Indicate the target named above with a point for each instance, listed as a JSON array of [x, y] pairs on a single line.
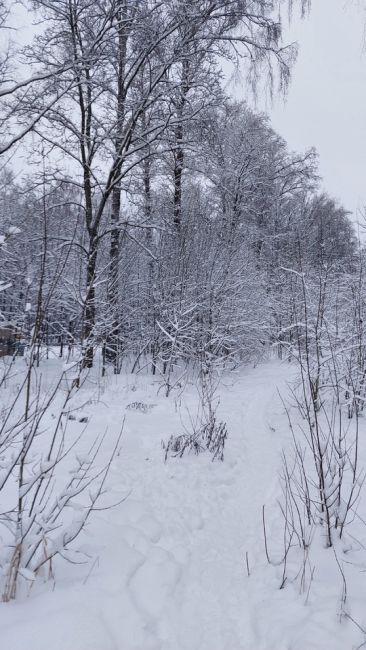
[[4, 285], [165, 569], [25, 573], [14, 230]]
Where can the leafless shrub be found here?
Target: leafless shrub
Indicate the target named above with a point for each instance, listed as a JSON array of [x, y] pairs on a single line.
[[56, 487], [140, 407], [211, 436]]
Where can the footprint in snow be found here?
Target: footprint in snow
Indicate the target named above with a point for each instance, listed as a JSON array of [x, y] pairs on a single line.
[[154, 583], [150, 527]]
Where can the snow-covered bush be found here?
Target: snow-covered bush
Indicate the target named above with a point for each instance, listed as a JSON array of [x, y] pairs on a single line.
[[321, 476], [51, 478]]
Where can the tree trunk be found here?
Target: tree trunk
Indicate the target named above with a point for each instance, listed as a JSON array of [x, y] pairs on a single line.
[[113, 342], [179, 152], [89, 312]]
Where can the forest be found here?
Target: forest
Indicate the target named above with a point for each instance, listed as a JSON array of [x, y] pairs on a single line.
[[182, 340]]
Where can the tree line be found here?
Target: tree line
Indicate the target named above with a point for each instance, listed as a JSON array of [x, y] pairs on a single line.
[[159, 218]]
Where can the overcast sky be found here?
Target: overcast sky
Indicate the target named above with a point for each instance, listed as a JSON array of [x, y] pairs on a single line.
[[326, 102]]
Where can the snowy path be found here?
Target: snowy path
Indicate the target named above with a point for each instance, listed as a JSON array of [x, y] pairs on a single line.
[[211, 602], [207, 516], [170, 570]]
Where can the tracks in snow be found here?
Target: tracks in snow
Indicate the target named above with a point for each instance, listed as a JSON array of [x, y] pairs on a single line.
[[202, 518]]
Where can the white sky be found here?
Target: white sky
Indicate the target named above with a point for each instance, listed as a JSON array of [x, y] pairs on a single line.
[[326, 102]]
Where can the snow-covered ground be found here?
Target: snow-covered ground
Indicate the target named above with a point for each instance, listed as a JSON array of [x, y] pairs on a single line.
[[168, 566]]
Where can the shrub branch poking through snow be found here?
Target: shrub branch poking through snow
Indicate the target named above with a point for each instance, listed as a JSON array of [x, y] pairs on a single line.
[[208, 434]]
